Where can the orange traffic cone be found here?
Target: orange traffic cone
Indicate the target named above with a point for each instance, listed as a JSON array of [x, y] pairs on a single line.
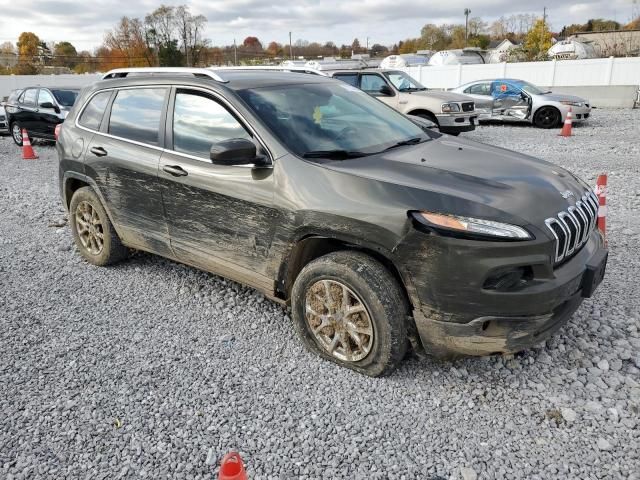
[[566, 128], [232, 468], [601, 192], [27, 149]]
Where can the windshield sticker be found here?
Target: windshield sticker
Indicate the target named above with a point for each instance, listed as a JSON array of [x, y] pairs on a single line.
[[317, 115], [503, 88]]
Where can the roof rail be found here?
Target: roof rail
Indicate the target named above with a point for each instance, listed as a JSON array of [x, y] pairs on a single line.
[[277, 68], [197, 72]]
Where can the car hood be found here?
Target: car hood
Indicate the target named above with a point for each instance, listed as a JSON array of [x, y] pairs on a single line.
[[446, 96], [559, 97], [463, 177]]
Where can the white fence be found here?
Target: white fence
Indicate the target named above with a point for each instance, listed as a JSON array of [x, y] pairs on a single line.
[[554, 73], [10, 82]]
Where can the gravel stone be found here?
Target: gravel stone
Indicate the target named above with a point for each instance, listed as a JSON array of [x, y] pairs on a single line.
[[193, 366]]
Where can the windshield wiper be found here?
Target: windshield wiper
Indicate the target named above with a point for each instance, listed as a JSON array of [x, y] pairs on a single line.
[[334, 154], [410, 141], [413, 89]]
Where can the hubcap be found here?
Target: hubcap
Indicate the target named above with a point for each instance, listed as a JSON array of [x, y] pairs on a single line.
[[89, 228], [17, 134], [339, 320]]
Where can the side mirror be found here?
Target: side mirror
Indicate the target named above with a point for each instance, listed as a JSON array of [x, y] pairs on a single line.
[[386, 90], [236, 151], [50, 105]]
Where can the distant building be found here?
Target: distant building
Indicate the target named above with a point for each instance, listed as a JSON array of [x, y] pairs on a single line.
[[612, 43], [499, 50], [8, 59]]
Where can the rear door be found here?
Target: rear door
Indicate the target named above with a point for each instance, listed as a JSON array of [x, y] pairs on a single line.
[[123, 159], [220, 218]]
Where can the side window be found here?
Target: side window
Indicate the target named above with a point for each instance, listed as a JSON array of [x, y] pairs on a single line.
[[199, 122], [479, 89], [92, 114], [29, 97], [504, 89], [371, 83], [350, 78], [45, 97], [136, 113]]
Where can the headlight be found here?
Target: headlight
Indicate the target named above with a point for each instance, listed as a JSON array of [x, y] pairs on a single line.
[[573, 104], [450, 107], [472, 226]]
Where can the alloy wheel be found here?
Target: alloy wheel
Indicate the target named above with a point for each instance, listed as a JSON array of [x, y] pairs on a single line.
[[339, 320], [17, 133], [89, 228], [548, 118]]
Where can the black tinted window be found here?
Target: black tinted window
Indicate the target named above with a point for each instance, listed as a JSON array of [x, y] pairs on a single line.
[[66, 98], [135, 114], [29, 97], [350, 78], [92, 115], [199, 122]]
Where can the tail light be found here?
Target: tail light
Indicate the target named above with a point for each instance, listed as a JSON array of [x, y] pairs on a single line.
[[56, 132]]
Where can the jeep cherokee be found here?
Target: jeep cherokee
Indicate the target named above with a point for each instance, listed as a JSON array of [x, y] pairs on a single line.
[[380, 235]]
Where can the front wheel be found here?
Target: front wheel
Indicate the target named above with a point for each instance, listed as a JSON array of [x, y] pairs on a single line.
[[349, 309], [547, 117], [16, 133]]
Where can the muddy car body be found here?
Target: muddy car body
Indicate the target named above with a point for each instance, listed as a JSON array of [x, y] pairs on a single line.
[[456, 246]]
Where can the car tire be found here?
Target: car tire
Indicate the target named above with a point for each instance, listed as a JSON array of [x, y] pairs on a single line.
[[92, 230], [429, 116], [547, 117], [372, 339], [16, 133]]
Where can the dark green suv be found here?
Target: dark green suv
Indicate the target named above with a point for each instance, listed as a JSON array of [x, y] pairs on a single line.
[[380, 235]]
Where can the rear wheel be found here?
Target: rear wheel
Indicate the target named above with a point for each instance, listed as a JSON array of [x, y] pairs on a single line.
[[349, 309], [16, 133], [92, 230], [547, 117]]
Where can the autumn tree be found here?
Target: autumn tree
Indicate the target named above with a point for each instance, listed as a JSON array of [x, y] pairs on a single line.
[[127, 42], [538, 41], [434, 37], [355, 46], [7, 48], [65, 55], [274, 49]]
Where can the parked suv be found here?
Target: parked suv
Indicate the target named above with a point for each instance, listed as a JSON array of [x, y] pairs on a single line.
[[377, 233], [453, 113], [39, 110]]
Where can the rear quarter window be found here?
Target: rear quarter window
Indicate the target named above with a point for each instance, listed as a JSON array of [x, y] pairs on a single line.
[[91, 116], [135, 114]]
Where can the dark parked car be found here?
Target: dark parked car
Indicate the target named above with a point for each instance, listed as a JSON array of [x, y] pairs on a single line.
[[38, 110], [380, 235]]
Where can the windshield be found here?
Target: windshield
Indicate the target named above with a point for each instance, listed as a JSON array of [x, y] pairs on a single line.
[[530, 88], [316, 120], [403, 82], [66, 98]]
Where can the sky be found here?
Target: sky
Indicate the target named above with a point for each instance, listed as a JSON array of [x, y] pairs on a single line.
[[84, 23]]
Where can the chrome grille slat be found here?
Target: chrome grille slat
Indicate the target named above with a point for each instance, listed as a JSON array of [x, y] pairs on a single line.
[[571, 227]]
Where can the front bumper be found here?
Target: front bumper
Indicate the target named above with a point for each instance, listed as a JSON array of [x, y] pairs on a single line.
[[4, 126], [578, 114], [456, 314], [457, 122]]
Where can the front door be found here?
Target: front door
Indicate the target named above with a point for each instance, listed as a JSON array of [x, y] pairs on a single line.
[[375, 84], [220, 218], [510, 100], [47, 116]]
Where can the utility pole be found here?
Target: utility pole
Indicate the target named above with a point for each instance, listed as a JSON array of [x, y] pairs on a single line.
[[466, 25], [367, 44], [235, 53], [290, 47], [544, 23]]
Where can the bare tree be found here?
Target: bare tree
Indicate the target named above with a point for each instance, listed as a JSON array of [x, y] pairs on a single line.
[[190, 29]]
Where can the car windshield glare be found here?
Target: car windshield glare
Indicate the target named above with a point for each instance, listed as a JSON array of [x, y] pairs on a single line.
[[530, 88], [403, 82], [330, 117], [66, 98]]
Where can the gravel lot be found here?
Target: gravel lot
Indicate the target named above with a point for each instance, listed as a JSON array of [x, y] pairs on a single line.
[[153, 369]]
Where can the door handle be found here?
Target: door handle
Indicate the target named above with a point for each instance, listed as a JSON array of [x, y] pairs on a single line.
[[175, 170], [98, 151]]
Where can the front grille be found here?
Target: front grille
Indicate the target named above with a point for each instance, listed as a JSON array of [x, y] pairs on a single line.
[[2, 118], [571, 228], [468, 106]]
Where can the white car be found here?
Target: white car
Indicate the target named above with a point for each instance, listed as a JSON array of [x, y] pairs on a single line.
[[517, 100], [4, 126]]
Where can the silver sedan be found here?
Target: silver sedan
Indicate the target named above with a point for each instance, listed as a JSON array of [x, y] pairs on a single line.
[[516, 100]]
